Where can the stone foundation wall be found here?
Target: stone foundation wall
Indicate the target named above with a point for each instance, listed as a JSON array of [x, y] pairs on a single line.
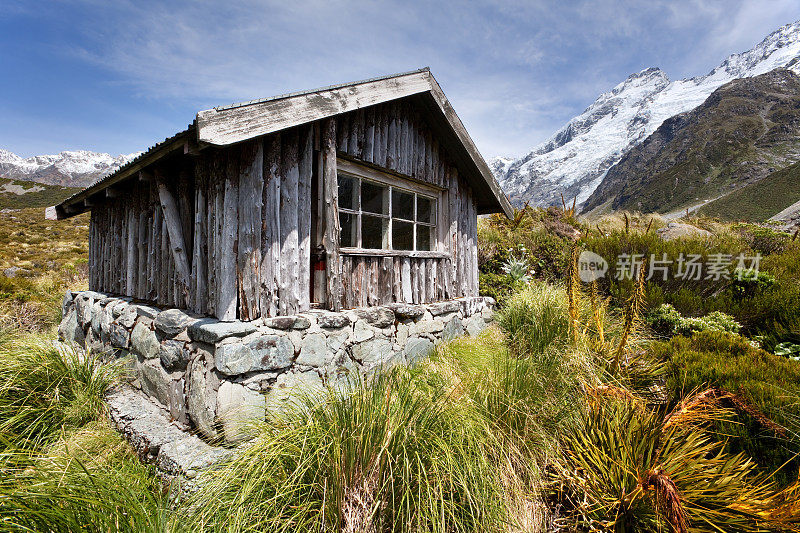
[[216, 376]]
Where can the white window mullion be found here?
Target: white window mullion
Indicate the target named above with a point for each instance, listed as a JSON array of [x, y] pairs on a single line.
[[358, 217], [414, 224]]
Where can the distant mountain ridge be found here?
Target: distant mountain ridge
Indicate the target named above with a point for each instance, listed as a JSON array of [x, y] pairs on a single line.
[[744, 132], [79, 168], [573, 162]]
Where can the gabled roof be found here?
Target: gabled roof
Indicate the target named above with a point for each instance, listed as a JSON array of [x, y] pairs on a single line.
[[225, 125]]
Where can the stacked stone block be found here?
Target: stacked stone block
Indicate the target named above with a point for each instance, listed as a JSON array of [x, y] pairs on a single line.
[[215, 376]]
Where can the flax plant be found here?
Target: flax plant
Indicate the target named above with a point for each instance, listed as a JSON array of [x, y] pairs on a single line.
[[630, 468]]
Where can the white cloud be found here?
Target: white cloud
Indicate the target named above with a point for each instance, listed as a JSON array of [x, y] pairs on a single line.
[[515, 70]]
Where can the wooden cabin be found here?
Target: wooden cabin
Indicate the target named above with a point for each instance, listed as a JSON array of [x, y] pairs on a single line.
[[347, 196]]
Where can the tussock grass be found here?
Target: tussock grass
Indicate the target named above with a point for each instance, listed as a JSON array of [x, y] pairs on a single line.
[[45, 388], [89, 480], [62, 468], [396, 455]]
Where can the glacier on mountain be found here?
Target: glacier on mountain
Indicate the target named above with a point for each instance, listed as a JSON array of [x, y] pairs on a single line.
[[575, 159]]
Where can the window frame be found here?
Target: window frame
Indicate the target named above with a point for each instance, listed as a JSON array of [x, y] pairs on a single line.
[[436, 194]]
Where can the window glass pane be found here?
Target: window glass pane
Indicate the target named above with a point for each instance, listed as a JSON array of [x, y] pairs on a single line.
[[374, 232], [374, 198], [426, 210], [347, 237], [402, 205], [424, 238], [402, 235], [347, 189]]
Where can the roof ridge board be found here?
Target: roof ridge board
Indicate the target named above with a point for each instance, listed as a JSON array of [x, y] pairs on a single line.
[[319, 89]]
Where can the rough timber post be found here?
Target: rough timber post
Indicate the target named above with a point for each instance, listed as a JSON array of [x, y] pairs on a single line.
[[251, 184], [229, 243], [174, 228], [330, 238]]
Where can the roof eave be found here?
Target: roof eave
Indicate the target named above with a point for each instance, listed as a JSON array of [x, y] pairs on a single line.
[[77, 203]]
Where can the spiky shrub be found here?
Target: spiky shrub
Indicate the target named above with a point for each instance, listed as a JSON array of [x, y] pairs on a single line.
[[396, 455], [45, 388], [632, 469]]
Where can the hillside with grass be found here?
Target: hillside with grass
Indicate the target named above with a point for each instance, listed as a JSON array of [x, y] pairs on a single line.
[[758, 201], [617, 405], [19, 194], [39, 260], [745, 132]]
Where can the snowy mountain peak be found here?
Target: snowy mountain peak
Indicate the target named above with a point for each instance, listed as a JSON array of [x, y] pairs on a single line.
[[778, 49], [574, 160], [78, 168]]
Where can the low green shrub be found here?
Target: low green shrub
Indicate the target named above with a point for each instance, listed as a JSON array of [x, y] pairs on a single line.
[[769, 383], [667, 321], [745, 283], [498, 286], [788, 349]]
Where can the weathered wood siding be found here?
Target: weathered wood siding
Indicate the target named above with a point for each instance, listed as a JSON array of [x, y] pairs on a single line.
[[395, 136], [243, 216]]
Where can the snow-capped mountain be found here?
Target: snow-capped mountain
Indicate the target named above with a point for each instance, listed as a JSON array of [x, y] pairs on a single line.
[[574, 161], [500, 164], [78, 168]]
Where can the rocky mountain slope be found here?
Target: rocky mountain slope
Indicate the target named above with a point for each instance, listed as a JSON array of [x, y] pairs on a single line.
[[746, 130], [574, 161], [67, 169]]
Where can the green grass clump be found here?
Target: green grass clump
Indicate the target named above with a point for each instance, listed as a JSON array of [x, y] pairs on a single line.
[[46, 388], [89, 480], [399, 454], [536, 320], [62, 467]]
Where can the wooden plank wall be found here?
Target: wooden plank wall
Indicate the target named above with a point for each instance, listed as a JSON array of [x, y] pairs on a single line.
[[129, 247], [245, 214], [396, 136]]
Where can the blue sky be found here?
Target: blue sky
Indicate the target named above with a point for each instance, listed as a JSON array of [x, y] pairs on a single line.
[[116, 75]]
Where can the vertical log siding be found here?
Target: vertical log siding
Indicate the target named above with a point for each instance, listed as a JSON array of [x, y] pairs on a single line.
[[244, 214]]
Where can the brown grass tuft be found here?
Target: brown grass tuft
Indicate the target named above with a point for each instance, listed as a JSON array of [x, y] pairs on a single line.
[[668, 499]]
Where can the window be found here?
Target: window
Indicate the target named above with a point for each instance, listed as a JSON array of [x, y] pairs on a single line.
[[378, 216]]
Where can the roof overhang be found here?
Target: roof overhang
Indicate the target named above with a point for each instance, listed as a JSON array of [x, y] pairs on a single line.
[[223, 126], [82, 201]]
